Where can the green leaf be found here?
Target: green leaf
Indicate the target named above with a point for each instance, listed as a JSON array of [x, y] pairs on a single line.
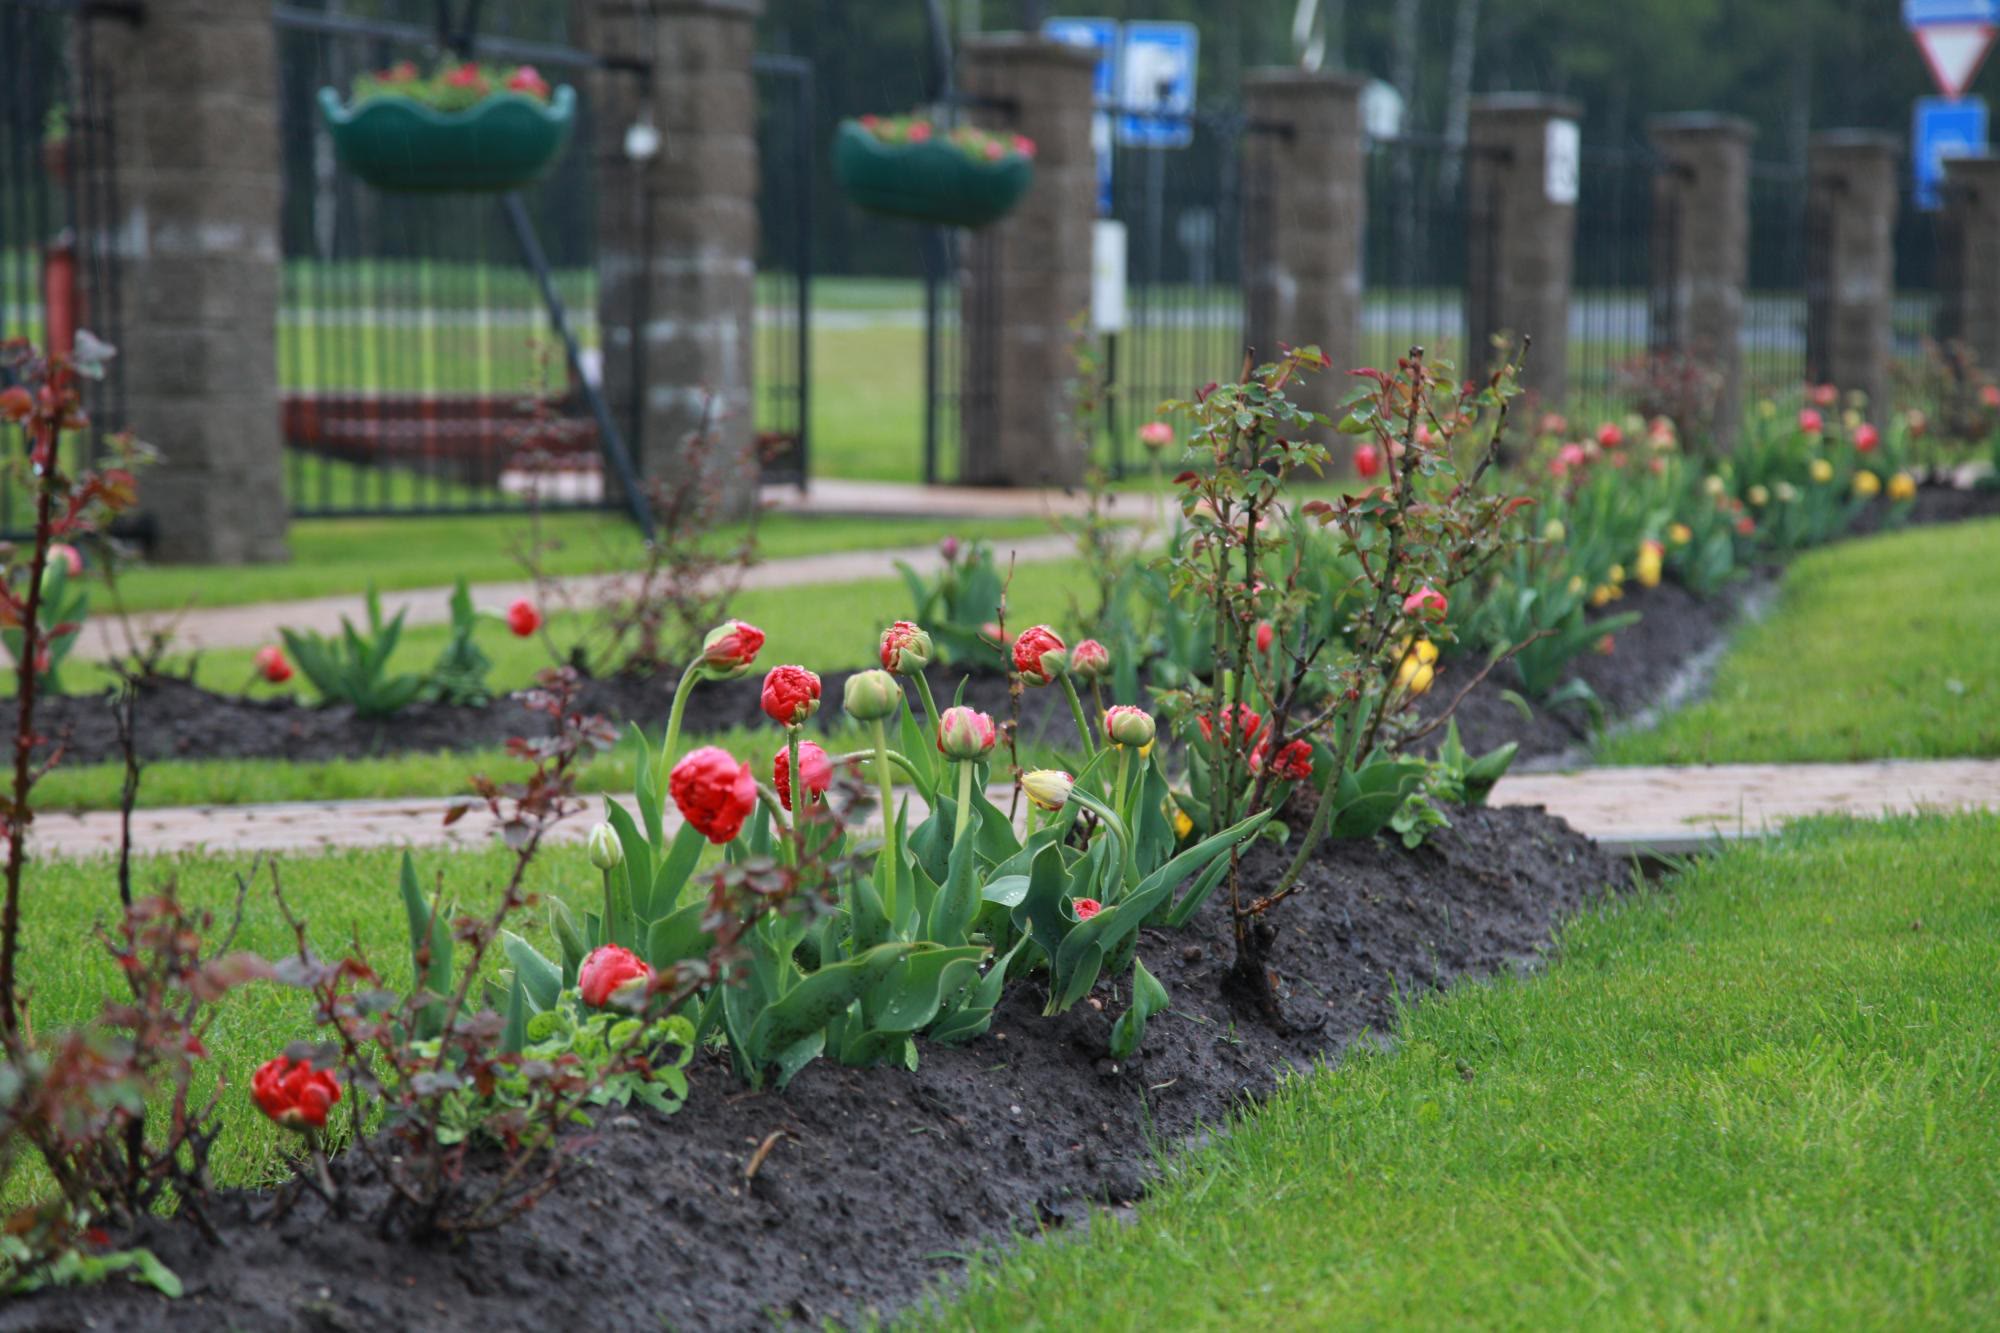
[[966, 1019], [908, 997], [1149, 997], [958, 901], [677, 937], [541, 978], [515, 1035], [681, 859], [809, 1006]]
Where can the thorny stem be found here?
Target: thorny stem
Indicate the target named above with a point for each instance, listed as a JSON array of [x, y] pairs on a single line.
[[18, 814]]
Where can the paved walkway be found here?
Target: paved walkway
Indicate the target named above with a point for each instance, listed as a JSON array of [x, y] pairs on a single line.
[[1629, 810]]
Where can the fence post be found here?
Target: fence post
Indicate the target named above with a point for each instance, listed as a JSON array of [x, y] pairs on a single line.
[[196, 232], [1303, 220], [1027, 276], [677, 234], [1850, 260], [1969, 312], [1701, 251], [1521, 178]]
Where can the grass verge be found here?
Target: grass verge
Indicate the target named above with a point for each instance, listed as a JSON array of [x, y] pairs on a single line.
[[1880, 648], [1762, 1096]]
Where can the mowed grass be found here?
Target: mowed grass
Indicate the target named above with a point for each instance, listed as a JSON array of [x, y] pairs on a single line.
[[1761, 1096], [825, 627], [343, 895], [1879, 648], [332, 556]]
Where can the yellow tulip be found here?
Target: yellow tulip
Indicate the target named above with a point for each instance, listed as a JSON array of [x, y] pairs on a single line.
[[1602, 593], [1867, 484], [1902, 487], [1822, 471], [1680, 534], [1416, 667], [1647, 567], [1576, 585], [1758, 496], [1615, 575]]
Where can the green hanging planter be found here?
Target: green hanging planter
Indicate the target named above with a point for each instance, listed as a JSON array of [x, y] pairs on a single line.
[[928, 182], [396, 143]]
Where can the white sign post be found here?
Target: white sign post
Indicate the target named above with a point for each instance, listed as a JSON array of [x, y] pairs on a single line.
[[1107, 276]]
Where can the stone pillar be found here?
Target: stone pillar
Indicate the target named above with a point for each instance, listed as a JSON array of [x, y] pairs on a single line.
[[1305, 196], [198, 190], [1850, 260], [1969, 302], [1520, 203], [1028, 275], [677, 235], [1701, 251]]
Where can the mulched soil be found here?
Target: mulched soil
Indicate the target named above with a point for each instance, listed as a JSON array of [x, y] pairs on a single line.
[[178, 720], [883, 1173]]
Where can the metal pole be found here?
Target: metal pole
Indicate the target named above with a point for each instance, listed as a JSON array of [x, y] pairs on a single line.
[[609, 441], [803, 143], [934, 263]]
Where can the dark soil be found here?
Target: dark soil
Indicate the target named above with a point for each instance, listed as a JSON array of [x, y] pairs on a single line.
[[882, 1174]]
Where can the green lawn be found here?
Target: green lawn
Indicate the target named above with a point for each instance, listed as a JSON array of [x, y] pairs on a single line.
[[331, 556], [341, 894], [1759, 1097], [1878, 648]]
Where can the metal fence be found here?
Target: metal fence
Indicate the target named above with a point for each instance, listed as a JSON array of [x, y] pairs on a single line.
[[786, 147], [58, 199], [1610, 322], [1774, 299], [1915, 319], [1416, 249]]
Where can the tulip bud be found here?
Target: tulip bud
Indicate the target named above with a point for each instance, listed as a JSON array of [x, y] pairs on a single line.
[[965, 733], [1040, 656], [1090, 660], [1129, 726], [872, 695], [728, 650], [1047, 788], [906, 649], [606, 852], [1554, 531]]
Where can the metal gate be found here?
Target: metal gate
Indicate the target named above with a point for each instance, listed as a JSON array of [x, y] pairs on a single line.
[[58, 202], [786, 142]]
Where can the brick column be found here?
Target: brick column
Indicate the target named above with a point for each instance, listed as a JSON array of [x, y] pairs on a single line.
[[1520, 237], [677, 234], [1850, 259], [1969, 303], [1701, 251], [1305, 204], [198, 193], [1027, 276]]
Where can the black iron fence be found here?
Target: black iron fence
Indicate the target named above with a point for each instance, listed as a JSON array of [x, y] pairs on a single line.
[[1774, 298], [787, 145], [58, 202], [1417, 249], [1611, 326]]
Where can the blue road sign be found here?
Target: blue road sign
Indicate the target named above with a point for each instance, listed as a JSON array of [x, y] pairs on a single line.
[[1156, 66], [1101, 36], [1943, 129], [1925, 13]]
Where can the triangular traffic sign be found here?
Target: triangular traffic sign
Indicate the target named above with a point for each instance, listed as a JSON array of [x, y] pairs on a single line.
[[1954, 51]]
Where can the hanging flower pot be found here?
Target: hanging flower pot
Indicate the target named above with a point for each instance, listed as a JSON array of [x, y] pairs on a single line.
[[466, 127], [905, 167]]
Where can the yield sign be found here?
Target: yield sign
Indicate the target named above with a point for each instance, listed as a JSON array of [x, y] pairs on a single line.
[[1954, 51]]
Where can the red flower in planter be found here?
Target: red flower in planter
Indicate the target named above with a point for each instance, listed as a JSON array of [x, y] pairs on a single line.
[[272, 664], [713, 792], [1086, 908], [1240, 728], [1866, 437], [529, 80], [1039, 655], [814, 766], [606, 969], [791, 695], [523, 619], [466, 76], [1024, 145], [920, 131], [1426, 602], [294, 1094], [1367, 460], [403, 71]]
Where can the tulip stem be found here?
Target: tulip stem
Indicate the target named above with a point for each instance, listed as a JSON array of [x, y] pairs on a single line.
[[673, 736], [930, 705], [610, 913], [888, 821], [801, 797], [964, 800], [896, 757], [1118, 792], [1076, 711]]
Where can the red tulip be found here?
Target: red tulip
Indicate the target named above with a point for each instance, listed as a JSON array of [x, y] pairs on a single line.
[[730, 648], [271, 664], [1425, 601], [1039, 655], [1989, 395], [964, 733], [293, 1093], [813, 763], [1090, 660], [1809, 421], [607, 968], [1610, 435], [713, 792], [1367, 460], [1244, 724], [1826, 395], [1295, 761], [1866, 437], [523, 619], [1086, 908], [1264, 636], [906, 648], [791, 695]]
